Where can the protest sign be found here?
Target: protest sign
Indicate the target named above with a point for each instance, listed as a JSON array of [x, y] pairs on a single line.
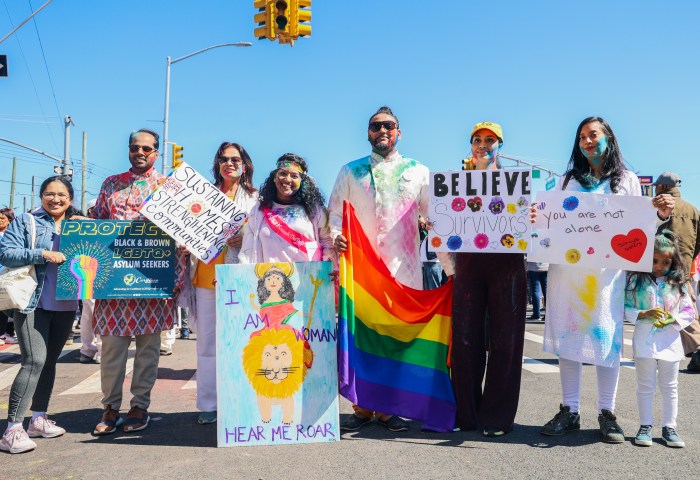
[[480, 211], [115, 259], [194, 212], [277, 376], [594, 230]]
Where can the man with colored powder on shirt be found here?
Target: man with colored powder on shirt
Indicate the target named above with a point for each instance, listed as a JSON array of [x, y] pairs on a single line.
[[117, 320], [388, 192]]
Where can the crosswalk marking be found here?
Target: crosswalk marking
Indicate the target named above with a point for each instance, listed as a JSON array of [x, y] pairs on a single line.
[[7, 376], [624, 362], [191, 384], [536, 366]]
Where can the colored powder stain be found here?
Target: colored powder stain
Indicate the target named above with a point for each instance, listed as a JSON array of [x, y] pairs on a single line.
[[588, 295]]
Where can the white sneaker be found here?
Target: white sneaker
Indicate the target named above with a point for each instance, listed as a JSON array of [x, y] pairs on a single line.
[[43, 427], [16, 441], [9, 339]]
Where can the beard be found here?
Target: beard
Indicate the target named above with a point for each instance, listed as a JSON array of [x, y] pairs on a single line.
[[382, 147]]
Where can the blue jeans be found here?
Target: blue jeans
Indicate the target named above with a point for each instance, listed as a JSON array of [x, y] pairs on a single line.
[[538, 288]]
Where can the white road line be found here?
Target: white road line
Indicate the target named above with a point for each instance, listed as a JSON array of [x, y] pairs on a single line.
[[8, 376], [191, 384], [624, 362], [93, 384], [536, 366]]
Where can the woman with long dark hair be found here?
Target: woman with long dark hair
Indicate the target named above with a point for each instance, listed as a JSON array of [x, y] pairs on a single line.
[[585, 306], [233, 175], [290, 221], [45, 324], [6, 327]]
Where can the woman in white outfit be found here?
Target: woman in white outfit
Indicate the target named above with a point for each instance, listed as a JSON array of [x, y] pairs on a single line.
[[233, 174]]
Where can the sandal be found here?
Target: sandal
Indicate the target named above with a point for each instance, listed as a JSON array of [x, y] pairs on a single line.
[[137, 419], [111, 420]]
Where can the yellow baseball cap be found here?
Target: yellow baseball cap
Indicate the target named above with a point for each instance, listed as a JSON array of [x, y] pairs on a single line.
[[494, 127]]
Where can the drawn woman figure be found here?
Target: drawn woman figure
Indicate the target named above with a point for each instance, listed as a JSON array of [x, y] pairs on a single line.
[[275, 294]]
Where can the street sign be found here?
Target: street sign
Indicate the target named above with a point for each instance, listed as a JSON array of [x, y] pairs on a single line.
[[551, 181], [3, 65]]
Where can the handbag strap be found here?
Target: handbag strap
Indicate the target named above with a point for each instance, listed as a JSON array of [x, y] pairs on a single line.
[[32, 223]]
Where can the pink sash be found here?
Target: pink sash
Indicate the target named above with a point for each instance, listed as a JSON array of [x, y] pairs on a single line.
[[292, 237]]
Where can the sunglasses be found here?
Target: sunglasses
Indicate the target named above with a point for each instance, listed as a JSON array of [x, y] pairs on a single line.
[[377, 126], [234, 160], [146, 149]]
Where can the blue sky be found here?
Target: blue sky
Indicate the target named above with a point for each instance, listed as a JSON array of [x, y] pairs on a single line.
[[538, 68]]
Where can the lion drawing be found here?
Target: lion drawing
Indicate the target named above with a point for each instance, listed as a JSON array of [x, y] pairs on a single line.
[[275, 363]]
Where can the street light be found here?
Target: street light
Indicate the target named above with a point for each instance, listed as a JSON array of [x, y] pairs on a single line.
[[167, 90]]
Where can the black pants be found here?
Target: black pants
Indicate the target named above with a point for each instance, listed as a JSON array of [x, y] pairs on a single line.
[[488, 288]]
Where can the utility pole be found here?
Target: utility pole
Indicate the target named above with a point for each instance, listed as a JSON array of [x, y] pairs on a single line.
[[83, 203], [12, 185], [33, 183], [65, 165]]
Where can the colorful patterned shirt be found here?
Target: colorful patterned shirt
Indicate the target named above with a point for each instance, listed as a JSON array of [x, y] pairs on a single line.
[[119, 199]]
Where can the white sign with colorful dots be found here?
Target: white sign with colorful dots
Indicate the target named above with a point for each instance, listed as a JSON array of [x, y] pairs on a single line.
[[594, 230], [482, 211]]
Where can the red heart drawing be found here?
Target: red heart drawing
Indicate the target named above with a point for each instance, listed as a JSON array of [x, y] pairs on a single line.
[[631, 246], [590, 251]]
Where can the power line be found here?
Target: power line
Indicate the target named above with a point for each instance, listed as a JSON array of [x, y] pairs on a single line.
[[48, 73]]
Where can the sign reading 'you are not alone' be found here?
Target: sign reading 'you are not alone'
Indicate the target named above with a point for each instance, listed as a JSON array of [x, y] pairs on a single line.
[[194, 212], [480, 211], [594, 230]]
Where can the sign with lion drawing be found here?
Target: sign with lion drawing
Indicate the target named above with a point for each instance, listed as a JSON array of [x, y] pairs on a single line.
[[277, 377]]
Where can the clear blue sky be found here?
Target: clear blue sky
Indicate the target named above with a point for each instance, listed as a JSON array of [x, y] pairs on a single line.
[[537, 67]]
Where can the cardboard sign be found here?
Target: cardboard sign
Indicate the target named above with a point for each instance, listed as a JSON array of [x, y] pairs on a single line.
[[480, 211], [115, 259], [594, 230], [194, 212], [277, 374]]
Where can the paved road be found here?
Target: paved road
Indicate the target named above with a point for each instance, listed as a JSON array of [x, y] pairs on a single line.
[[176, 447]]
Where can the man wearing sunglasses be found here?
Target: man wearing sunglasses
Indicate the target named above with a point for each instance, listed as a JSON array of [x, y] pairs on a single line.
[[388, 192], [117, 320]]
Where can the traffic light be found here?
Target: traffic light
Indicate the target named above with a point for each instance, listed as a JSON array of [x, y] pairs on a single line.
[[282, 12], [265, 19], [177, 155], [300, 18]]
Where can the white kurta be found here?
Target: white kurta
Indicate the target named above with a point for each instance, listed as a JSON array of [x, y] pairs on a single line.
[[586, 306], [388, 194], [659, 343], [262, 244]]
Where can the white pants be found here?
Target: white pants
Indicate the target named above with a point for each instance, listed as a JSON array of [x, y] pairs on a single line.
[[206, 349], [167, 339], [570, 374], [90, 344], [646, 385]]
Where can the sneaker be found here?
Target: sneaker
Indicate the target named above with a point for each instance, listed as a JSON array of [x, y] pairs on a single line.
[[669, 435], [137, 419], [97, 359], [111, 420], [493, 432], [43, 427], [16, 441], [563, 422], [354, 422], [9, 339], [185, 334], [69, 341], [609, 429], [395, 424], [165, 352], [86, 359], [643, 437], [694, 364], [206, 418]]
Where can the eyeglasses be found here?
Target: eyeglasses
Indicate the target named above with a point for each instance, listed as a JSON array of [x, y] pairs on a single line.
[[377, 126], [61, 196], [234, 160], [146, 149]]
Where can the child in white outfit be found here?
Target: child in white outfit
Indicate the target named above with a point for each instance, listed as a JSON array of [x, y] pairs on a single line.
[[660, 305]]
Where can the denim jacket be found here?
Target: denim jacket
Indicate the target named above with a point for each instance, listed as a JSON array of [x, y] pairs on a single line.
[[15, 248]]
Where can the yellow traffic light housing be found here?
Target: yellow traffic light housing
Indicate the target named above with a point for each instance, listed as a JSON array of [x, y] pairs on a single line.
[[300, 18], [177, 155], [265, 19]]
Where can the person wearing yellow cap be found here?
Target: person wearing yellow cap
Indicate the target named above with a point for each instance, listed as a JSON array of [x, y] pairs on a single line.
[[489, 288]]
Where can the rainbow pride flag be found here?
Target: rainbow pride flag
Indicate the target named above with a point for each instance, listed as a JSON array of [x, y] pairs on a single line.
[[393, 341]]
